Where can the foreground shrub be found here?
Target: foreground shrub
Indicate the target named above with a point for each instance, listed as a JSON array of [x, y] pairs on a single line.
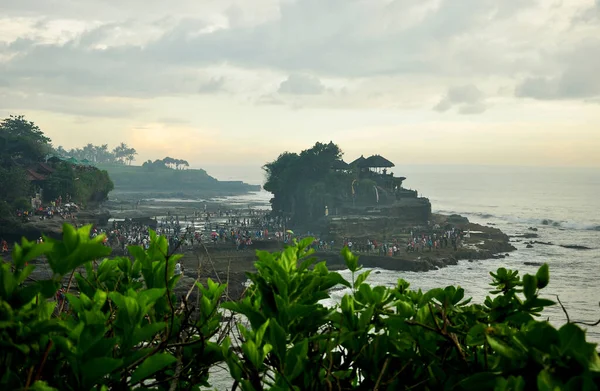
[[127, 329]]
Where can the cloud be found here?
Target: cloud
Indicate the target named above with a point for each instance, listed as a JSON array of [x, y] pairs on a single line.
[[468, 98], [578, 79], [15, 101], [130, 55], [215, 84], [589, 15], [298, 84], [270, 99], [150, 49], [172, 121]]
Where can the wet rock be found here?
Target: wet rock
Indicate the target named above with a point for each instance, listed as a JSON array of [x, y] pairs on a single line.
[[532, 229], [533, 263], [457, 219], [529, 246], [526, 236], [575, 247]]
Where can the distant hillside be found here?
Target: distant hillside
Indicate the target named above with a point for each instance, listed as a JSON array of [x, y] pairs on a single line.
[[151, 180]]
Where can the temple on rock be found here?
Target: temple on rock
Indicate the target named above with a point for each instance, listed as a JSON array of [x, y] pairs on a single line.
[[378, 203]]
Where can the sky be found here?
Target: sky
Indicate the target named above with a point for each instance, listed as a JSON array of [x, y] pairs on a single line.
[[228, 85]]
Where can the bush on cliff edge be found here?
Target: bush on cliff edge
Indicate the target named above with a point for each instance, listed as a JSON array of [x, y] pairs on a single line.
[[126, 328]]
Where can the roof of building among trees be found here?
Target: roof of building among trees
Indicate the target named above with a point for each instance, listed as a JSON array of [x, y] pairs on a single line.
[[375, 161]]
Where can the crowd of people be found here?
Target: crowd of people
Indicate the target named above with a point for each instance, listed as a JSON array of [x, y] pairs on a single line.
[[240, 228], [420, 239], [54, 208]]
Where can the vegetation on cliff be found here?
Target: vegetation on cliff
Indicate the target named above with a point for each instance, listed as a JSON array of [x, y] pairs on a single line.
[[122, 153], [303, 184], [126, 328], [165, 177], [24, 170]]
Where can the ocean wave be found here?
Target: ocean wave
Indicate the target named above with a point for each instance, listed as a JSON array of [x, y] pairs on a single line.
[[533, 221]]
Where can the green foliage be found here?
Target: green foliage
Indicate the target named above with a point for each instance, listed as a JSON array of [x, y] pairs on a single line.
[[96, 154], [84, 184], [92, 184], [126, 328], [13, 183], [21, 141], [304, 184], [60, 183], [157, 179], [22, 146], [122, 328]]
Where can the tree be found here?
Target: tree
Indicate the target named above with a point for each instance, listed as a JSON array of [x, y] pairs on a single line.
[[126, 329], [168, 161], [22, 141], [303, 184], [130, 154], [13, 183], [60, 151], [121, 152], [60, 183]]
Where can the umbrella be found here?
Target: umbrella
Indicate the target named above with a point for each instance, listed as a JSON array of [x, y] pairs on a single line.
[[289, 231], [214, 234]]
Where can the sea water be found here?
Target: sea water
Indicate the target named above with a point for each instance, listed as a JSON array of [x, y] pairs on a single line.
[[562, 203]]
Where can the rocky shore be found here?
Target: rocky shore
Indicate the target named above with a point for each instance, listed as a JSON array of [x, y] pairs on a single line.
[[223, 263]]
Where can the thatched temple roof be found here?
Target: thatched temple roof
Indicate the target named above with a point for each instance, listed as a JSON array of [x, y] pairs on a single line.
[[376, 161], [339, 165], [358, 161]]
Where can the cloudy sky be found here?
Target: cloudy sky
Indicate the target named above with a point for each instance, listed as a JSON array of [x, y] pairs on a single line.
[[229, 84]]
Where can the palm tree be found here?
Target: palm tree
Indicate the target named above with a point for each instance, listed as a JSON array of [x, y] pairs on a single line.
[[130, 154]]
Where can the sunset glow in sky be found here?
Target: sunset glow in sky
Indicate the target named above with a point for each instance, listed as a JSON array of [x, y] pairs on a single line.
[[230, 84]]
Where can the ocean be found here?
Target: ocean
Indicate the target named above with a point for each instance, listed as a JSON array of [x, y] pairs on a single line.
[[562, 203]]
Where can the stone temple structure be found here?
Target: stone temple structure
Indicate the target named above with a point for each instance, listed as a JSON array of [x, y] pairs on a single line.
[[380, 206]]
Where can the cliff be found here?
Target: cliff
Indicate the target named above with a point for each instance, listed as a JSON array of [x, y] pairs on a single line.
[[379, 221]]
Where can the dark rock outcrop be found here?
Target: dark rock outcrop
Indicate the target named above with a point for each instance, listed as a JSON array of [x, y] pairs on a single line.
[[575, 247]]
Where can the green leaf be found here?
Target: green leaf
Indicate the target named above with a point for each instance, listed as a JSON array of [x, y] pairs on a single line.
[[150, 366], [546, 383], [147, 332], [362, 277], [96, 368], [294, 362], [260, 333], [365, 318], [8, 283], [572, 342], [42, 386], [476, 336], [480, 381], [543, 276], [278, 338], [350, 259], [150, 296], [529, 285], [250, 350], [502, 349]]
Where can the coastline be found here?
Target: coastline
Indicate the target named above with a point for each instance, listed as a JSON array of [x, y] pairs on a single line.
[[222, 262]]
